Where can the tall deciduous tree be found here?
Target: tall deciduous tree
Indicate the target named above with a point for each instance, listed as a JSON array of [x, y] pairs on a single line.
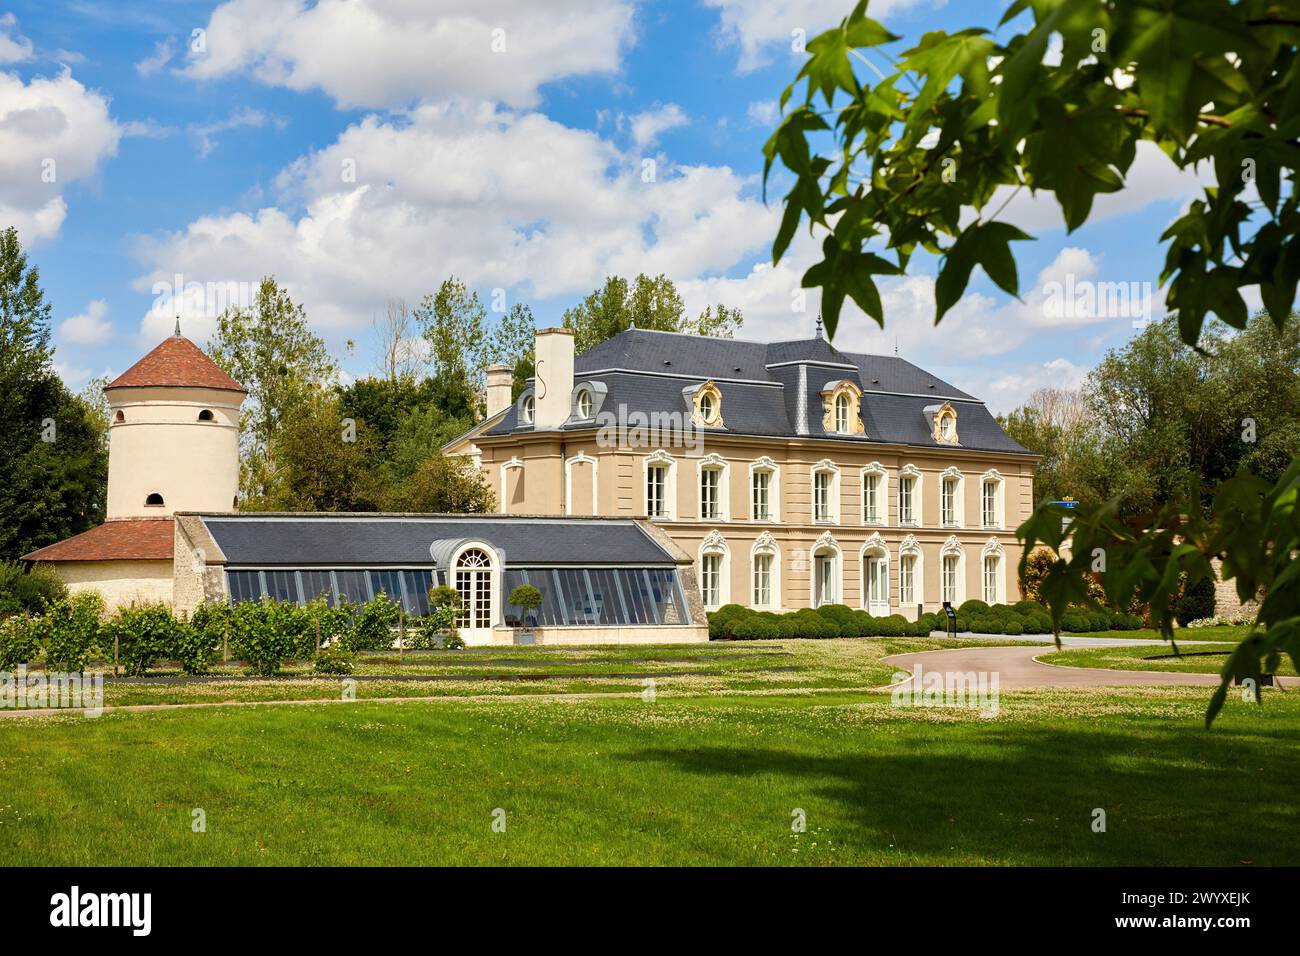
[[271, 350], [923, 159], [647, 303], [321, 461], [52, 455]]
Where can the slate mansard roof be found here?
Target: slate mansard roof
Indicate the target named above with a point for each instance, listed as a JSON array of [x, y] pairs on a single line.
[[773, 389], [416, 540]]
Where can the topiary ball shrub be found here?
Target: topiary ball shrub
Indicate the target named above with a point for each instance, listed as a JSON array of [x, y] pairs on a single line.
[[1024, 608], [972, 607], [1014, 629], [756, 629]]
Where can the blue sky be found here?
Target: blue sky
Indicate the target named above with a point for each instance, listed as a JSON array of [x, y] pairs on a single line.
[[361, 151]]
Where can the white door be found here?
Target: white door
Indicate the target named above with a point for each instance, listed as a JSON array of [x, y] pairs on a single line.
[[474, 583], [878, 586]]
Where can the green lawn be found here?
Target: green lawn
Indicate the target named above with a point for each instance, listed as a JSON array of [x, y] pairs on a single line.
[[708, 773], [1194, 658]]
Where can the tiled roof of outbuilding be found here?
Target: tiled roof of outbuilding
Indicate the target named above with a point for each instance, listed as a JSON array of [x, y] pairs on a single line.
[[119, 539], [176, 362]]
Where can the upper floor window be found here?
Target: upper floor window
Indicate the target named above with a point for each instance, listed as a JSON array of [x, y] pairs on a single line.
[[875, 502], [154, 500], [527, 409], [206, 415], [991, 505], [906, 500], [948, 502], [710, 487], [825, 492], [762, 494], [585, 404], [656, 491], [706, 407]]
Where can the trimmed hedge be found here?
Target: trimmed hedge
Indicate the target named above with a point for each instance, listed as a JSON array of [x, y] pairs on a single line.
[[734, 622]]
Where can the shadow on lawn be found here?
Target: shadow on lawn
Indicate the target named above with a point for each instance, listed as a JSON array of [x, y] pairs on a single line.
[[1172, 796]]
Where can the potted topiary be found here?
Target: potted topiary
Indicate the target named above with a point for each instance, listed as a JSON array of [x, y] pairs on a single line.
[[530, 599]]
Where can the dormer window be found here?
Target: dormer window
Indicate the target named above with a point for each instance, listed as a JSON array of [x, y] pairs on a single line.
[[841, 413], [527, 408], [705, 402], [943, 423], [842, 403], [585, 404]]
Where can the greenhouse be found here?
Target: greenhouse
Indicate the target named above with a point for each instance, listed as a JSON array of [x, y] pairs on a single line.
[[601, 579]]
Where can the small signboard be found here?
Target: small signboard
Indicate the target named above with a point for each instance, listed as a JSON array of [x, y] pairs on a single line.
[[952, 617]]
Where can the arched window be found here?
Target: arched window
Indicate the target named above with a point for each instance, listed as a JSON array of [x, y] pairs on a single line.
[[474, 584], [527, 408], [207, 416], [154, 500], [584, 404], [119, 417], [875, 576], [706, 407], [842, 414]]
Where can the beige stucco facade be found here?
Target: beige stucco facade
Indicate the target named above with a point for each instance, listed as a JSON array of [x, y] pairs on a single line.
[[180, 445], [552, 472], [120, 583]]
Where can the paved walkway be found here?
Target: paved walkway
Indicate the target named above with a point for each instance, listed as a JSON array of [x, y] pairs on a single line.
[[1017, 669]]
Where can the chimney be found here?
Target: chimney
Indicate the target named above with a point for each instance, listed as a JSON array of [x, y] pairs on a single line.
[[553, 354], [499, 381]]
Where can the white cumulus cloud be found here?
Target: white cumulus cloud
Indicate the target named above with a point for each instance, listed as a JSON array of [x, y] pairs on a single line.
[[52, 131], [389, 53], [88, 328]]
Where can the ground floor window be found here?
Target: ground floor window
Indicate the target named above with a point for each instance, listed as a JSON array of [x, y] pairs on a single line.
[[408, 586], [711, 579], [991, 566], [950, 578], [825, 586], [762, 596], [907, 580]]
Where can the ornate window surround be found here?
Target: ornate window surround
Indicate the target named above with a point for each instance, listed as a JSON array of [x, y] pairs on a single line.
[[715, 544], [773, 489], [825, 466], [882, 493], [660, 457], [766, 544], [714, 462]]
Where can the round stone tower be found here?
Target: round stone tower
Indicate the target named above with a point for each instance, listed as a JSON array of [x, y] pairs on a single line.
[[173, 439]]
